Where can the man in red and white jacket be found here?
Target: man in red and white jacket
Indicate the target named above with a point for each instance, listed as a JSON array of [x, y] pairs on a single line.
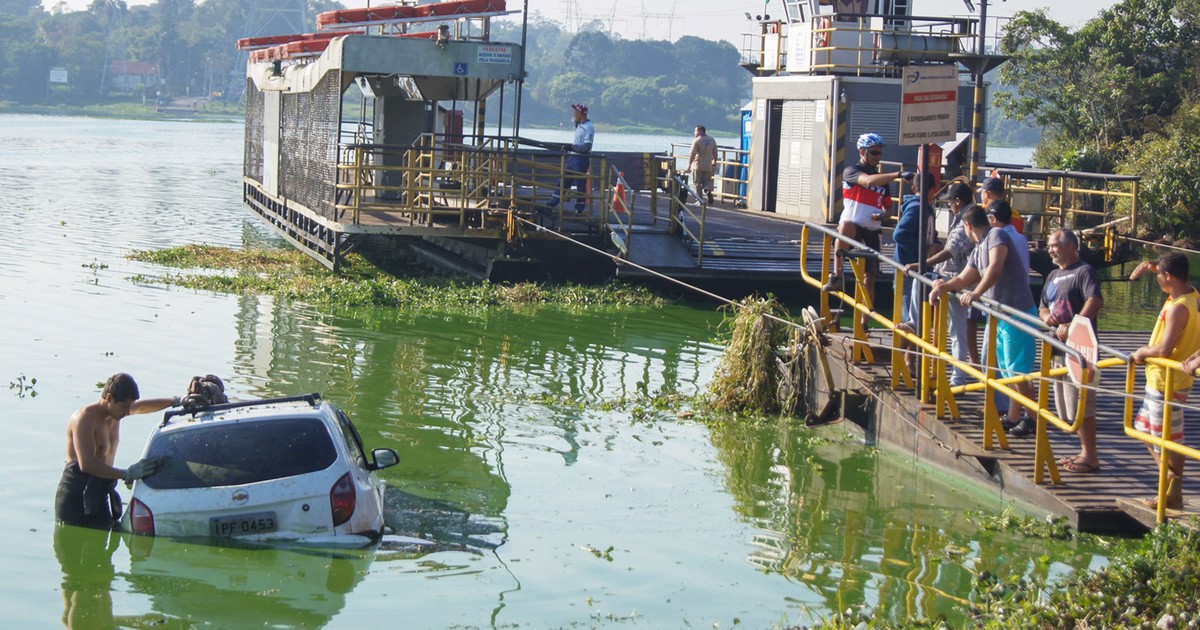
[[865, 202]]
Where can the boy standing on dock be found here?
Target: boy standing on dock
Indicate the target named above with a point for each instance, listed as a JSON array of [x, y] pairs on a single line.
[[1176, 335], [1072, 289]]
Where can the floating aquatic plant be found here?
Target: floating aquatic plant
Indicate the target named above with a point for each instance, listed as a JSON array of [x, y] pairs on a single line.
[[289, 274]]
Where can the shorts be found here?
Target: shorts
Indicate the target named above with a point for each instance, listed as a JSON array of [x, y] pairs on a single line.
[[870, 238], [1149, 418], [1066, 394], [1015, 350]]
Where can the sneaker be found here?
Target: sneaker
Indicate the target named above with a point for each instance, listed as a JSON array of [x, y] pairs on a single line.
[[580, 208], [1023, 428], [710, 199], [836, 283], [1007, 423]]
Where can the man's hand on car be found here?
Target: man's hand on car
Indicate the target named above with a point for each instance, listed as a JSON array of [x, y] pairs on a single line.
[[141, 469]]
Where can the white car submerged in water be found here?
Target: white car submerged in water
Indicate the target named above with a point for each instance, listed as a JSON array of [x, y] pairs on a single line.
[[291, 469]]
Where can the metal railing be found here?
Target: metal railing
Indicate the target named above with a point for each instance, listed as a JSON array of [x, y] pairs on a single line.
[[729, 176], [934, 359], [862, 44], [1050, 199], [439, 178]]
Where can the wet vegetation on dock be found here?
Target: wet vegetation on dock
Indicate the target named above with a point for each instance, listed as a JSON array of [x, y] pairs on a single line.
[[289, 274]]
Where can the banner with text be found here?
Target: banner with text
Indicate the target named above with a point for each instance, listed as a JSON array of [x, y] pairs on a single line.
[[928, 109]]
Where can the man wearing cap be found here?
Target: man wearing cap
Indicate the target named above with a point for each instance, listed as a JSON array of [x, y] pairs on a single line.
[[578, 161], [865, 201], [949, 262], [993, 190]]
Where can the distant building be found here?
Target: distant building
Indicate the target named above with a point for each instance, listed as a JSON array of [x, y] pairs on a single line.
[[131, 76]]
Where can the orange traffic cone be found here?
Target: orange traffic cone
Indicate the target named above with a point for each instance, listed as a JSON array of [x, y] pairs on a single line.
[[618, 200]]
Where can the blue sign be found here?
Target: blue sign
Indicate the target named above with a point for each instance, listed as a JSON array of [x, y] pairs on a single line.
[[460, 68]]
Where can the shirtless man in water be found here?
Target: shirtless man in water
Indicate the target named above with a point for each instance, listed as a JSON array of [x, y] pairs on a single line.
[[93, 433]]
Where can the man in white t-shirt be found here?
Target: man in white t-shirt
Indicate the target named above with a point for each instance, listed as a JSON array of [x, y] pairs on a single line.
[[578, 160]]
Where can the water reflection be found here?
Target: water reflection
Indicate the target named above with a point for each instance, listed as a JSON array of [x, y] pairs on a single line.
[[856, 526], [293, 588], [447, 389]]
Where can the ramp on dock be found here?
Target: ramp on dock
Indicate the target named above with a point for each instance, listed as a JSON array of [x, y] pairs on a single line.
[[1106, 501]]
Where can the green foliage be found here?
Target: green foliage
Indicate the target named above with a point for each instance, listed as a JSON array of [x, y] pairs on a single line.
[[1106, 96], [1170, 173], [648, 84], [1151, 584]]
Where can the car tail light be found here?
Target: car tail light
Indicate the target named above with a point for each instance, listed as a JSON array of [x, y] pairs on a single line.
[[141, 518], [342, 499]]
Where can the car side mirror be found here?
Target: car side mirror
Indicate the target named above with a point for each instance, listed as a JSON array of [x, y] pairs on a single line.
[[384, 458]]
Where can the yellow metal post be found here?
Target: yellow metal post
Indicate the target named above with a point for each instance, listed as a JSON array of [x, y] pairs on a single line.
[[991, 417], [1043, 453]]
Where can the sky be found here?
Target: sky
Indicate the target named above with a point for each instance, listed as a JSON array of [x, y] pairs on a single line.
[[724, 19]]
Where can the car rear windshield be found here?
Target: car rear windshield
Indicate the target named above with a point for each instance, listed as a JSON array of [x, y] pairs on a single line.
[[234, 453]]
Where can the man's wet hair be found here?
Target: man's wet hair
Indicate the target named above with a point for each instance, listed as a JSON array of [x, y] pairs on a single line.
[[1175, 264], [121, 387], [974, 216]]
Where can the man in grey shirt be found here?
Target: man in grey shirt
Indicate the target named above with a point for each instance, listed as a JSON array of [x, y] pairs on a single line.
[[997, 273]]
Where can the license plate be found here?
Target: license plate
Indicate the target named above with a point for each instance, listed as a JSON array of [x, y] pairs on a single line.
[[242, 524]]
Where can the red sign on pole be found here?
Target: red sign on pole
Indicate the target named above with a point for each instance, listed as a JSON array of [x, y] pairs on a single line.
[[1081, 337]]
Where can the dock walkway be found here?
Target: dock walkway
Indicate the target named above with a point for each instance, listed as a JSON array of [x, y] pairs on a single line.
[[1106, 501]]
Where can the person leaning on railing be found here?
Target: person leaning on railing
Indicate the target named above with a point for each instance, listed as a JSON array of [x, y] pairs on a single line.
[[1176, 336], [995, 272], [949, 262]]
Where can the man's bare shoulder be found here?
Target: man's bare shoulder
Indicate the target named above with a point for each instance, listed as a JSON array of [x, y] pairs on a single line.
[[88, 415]]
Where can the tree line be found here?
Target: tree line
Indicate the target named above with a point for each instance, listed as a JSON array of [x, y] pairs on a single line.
[[643, 83], [1118, 95]]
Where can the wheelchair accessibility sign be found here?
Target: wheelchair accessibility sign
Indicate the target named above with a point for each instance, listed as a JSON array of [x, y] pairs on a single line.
[[460, 68]]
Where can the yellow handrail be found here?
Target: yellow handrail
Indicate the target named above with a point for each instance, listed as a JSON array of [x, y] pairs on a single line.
[[935, 357]]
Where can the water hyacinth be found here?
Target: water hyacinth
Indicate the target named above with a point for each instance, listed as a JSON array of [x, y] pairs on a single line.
[[289, 274]]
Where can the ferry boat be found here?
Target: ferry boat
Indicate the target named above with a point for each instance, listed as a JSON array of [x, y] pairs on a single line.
[[355, 136]]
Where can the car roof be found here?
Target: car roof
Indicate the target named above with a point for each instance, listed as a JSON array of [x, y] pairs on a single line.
[[262, 409]]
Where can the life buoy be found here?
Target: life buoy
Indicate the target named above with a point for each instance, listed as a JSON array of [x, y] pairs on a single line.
[[824, 27]]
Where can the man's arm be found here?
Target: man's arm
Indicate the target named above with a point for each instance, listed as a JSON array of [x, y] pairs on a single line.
[[1175, 321], [878, 179], [150, 405], [965, 278], [996, 257]]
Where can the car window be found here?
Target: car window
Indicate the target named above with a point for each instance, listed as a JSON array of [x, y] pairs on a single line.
[[353, 440], [233, 453]]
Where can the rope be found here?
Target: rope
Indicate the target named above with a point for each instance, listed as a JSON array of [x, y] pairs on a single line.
[[1153, 244]]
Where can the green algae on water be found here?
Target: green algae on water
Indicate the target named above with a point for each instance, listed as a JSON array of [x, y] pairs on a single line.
[[291, 275]]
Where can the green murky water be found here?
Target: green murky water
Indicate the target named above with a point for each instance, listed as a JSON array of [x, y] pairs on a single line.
[[547, 493]]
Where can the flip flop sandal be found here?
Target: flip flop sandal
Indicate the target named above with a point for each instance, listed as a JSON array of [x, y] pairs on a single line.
[[1077, 466]]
